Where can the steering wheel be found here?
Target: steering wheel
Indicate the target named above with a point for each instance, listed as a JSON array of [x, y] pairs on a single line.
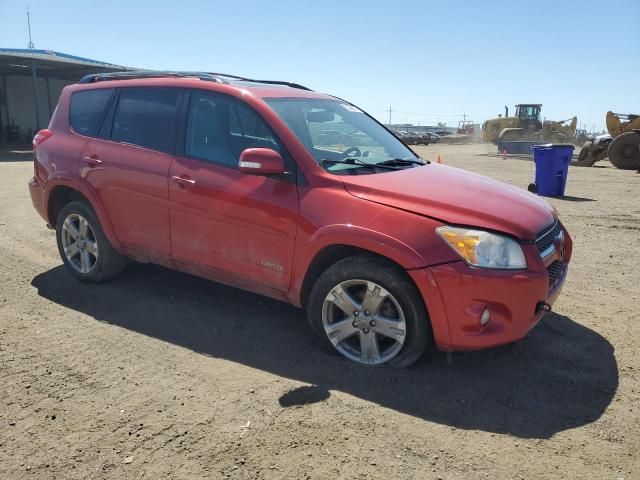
[[352, 152]]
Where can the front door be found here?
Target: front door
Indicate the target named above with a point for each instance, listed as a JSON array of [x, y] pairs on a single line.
[[222, 220]]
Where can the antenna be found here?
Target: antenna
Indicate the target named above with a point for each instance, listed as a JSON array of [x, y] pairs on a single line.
[[30, 45]]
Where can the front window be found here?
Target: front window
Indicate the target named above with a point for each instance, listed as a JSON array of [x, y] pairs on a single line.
[[334, 132], [220, 128]]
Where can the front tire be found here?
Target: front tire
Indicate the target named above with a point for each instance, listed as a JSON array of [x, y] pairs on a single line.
[[368, 310], [83, 246]]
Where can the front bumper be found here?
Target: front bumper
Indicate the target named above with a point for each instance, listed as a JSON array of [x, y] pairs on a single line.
[[457, 294]]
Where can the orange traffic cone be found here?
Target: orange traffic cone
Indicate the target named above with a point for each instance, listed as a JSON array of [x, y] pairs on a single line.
[[439, 159]]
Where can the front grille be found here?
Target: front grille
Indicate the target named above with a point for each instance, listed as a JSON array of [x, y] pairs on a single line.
[[544, 241], [555, 270], [546, 237]]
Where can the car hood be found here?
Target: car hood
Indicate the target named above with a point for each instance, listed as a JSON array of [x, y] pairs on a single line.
[[458, 197]]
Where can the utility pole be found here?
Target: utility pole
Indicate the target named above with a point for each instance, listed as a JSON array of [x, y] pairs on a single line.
[[30, 45], [390, 114]]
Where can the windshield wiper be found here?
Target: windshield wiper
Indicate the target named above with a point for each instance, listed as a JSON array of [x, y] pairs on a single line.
[[357, 161], [401, 161]]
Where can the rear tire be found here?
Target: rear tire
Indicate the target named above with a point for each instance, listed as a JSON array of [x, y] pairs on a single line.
[[83, 246], [398, 310], [624, 151]]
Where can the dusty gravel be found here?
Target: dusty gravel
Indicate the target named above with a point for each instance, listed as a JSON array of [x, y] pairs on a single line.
[[162, 375]]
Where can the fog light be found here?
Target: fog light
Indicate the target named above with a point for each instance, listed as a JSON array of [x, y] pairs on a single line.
[[486, 316]]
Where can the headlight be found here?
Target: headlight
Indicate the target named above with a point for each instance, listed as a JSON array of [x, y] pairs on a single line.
[[484, 249]]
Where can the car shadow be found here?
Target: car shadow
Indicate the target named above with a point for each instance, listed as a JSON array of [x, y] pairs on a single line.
[[562, 376]]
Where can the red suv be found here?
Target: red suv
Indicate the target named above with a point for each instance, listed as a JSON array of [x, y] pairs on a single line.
[[300, 196]]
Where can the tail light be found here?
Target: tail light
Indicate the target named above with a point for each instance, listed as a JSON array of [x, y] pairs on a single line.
[[41, 136]]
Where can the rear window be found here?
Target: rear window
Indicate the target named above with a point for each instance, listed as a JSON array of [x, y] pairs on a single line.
[[86, 109], [146, 117]]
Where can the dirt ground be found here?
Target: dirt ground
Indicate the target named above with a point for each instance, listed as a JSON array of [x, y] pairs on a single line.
[[162, 375]]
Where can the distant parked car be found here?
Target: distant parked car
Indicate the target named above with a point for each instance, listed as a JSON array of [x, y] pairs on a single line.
[[412, 138], [433, 137], [421, 138]]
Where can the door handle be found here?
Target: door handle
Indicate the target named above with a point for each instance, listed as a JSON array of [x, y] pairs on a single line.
[[92, 160], [183, 181]]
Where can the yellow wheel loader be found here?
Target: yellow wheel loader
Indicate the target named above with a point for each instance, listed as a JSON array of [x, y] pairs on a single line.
[[622, 145], [526, 125]]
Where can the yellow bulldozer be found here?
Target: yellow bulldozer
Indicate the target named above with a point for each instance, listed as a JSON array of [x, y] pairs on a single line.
[[622, 145], [526, 125]]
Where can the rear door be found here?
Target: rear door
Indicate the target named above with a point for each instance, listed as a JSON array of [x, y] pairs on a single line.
[[222, 220], [128, 163]]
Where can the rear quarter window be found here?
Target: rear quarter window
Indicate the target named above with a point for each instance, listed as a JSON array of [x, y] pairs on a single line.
[[86, 109]]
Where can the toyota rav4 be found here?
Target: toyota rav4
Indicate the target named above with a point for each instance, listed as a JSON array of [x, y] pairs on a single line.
[[297, 195]]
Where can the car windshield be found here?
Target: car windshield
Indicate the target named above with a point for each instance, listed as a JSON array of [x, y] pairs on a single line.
[[335, 131]]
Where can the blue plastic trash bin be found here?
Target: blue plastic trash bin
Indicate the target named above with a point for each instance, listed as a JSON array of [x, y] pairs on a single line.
[[552, 167]]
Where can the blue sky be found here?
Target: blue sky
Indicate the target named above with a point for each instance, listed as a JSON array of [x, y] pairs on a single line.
[[429, 61]]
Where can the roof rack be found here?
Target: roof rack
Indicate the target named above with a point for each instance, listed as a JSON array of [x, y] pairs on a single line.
[[135, 74], [207, 76], [268, 82]]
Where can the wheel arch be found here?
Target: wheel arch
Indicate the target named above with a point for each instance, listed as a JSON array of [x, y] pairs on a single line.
[[389, 274], [329, 246], [322, 261], [58, 197], [62, 191]]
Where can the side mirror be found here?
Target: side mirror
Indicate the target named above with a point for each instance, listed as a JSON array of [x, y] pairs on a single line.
[[260, 161]]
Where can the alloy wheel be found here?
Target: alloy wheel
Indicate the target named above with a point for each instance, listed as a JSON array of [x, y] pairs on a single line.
[[79, 243], [364, 321]]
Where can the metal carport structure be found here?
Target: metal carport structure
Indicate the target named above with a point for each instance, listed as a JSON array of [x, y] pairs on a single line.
[[30, 84]]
